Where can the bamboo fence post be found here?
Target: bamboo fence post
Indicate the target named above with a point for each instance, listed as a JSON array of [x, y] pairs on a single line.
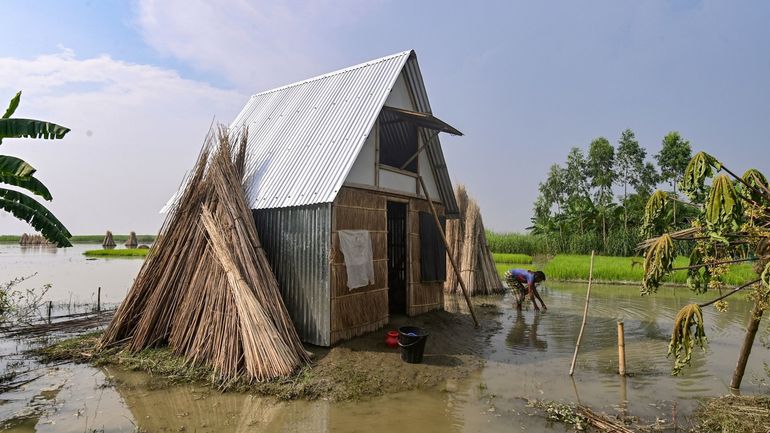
[[50, 307], [451, 256], [99, 299], [621, 349], [585, 315]]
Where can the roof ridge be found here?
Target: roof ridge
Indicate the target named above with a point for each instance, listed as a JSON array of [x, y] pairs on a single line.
[[337, 72]]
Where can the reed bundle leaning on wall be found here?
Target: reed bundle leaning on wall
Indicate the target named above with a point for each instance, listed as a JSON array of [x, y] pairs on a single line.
[[207, 289], [468, 242]]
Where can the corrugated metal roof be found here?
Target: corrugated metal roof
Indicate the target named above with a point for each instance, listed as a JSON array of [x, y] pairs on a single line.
[[305, 137]]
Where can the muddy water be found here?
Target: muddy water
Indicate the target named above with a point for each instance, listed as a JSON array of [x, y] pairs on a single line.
[[528, 357]]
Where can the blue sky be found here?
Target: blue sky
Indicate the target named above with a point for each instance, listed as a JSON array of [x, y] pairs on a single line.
[[139, 83]]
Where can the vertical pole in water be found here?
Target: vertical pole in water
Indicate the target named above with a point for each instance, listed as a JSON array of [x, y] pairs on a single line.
[[585, 315], [50, 307], [621, 349], [99, 299]]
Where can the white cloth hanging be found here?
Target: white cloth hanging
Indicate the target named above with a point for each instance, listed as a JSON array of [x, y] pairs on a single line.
[[356, 247]]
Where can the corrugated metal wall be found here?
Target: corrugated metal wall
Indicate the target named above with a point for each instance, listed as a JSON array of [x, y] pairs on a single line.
[[297, 243]]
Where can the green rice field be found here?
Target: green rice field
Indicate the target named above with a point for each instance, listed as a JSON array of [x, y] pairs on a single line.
[[125, 252], [567, 267]]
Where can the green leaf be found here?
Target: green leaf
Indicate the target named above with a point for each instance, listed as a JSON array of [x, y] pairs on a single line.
[[700, 167], [658, 261], [30, 183], [28, 209], [723, 208], [12, 106], [15, 166], [652, 211], [756, 191], [20, 128]]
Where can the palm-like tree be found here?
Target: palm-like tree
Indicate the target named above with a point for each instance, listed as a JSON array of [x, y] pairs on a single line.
[[16, 172]]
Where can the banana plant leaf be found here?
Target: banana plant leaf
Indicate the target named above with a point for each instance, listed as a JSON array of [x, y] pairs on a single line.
[[31, 128], [28, 209], [30, 183], [12, 106], [15, 166]]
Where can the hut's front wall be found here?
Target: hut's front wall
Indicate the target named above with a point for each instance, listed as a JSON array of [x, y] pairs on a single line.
[[297, 243], [365, 309]]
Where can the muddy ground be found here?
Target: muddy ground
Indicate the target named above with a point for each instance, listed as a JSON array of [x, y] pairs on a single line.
[[362, 367]]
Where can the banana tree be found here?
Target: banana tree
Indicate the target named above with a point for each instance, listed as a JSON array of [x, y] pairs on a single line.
[[18, 173], [733, 219]]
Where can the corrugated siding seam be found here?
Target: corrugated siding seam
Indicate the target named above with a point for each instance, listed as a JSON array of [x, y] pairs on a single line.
[[297, 244]]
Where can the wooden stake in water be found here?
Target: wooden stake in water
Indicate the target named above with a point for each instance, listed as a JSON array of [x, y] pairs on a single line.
[[50, 307], [585, 315], [99, 299], [621, 349]]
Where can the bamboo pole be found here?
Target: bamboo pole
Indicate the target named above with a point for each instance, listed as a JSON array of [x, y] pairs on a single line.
[[451, 256], [621, 349], [748, 341], [585, 315]]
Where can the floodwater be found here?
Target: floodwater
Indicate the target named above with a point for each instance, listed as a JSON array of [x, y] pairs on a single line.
[[528, 358]]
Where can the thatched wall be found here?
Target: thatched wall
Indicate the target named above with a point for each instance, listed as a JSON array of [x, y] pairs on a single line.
[[356, 312]]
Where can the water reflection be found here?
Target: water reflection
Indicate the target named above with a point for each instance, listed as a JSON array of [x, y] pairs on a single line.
[[524, 336]]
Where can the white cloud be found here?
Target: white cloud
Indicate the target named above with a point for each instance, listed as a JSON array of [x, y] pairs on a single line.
[[136, 129], [255, 44]]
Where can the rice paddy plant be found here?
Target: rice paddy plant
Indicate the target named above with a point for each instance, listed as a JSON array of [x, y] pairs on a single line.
[[627, 269], [517, 243], [512, 258]]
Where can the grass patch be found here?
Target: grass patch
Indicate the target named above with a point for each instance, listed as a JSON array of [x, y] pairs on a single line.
[[125, 252], [627, 269], [86, 239], [516, 243], [738, 414], [512, 258]]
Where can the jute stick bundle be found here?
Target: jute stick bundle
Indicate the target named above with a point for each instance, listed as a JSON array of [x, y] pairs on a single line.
[[468, 241], [206, 289]]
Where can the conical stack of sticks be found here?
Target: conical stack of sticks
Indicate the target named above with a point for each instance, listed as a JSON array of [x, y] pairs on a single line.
[[108, 240], [468, 242], [206, 289], [131, 242]]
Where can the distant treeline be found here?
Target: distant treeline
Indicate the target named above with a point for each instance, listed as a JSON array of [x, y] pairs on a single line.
[[596, 199], [86, 239], [619, 243]]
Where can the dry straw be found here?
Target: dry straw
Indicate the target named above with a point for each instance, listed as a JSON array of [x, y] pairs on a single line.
[[206, 289], [468, 242]]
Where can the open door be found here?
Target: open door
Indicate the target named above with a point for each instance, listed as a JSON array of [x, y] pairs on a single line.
[[396, 258]]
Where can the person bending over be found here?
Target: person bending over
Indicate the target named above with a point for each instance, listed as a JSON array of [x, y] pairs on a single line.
[[523, 283]]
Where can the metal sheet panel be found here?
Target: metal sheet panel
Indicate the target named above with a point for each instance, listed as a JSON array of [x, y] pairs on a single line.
[[305, 137], [297, 244], [436, 155]]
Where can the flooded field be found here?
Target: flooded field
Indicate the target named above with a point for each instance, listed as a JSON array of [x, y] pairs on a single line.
[[527, 358]]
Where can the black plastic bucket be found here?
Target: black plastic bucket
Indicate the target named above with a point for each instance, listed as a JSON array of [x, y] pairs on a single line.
[[411, 340]]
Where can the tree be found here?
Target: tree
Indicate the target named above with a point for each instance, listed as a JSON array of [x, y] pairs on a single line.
[[601, 159], [630, 167], [16, 172], [672, 159], [733, 217], [576, 183]]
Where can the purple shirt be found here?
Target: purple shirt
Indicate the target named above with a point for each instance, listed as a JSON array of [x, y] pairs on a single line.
[[523, 276]]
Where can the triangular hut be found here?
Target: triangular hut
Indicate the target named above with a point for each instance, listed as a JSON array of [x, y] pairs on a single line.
[[352, 154], [468, 241]]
